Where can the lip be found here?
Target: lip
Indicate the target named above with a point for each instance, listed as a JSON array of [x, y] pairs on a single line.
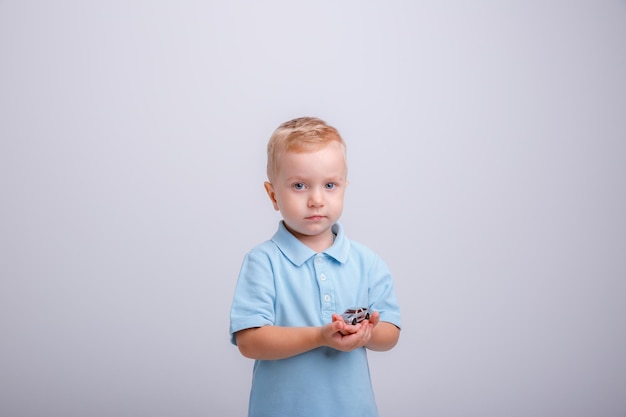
[[316, 217]]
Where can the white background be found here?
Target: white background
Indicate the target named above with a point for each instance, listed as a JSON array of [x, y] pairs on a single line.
[[487, 157]]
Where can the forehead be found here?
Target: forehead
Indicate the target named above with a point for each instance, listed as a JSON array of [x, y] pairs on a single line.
[[327, 161]]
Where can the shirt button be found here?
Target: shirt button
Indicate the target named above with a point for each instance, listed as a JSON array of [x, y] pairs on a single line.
[[319, 260], [327, 298], [323, 277]]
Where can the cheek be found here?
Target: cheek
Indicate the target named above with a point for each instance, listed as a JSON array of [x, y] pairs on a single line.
[[338, 197], [285, 202]]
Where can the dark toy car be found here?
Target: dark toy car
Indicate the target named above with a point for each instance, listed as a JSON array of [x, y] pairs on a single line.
[[356, 315]]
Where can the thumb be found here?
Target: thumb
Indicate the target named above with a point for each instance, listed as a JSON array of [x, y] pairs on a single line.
[[337, 325], [337, 317]]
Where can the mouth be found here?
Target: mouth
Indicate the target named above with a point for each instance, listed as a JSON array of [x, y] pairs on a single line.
[[315, 218]]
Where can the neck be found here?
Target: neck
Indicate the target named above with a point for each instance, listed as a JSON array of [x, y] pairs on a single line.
[[318, 243]]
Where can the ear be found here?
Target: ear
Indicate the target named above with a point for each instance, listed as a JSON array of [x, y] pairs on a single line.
[[269, 189]]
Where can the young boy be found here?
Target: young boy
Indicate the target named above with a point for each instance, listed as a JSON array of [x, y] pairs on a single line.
[[292, 289]]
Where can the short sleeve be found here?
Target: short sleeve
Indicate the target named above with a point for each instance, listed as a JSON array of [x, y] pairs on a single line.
[[382, 294], [253, 302]]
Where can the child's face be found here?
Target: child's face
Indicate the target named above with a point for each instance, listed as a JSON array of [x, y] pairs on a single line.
[[308, 189]]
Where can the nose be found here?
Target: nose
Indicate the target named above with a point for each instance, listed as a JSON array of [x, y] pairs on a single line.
[[316, 198]]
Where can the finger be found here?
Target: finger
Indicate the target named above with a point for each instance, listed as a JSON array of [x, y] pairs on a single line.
[[375, 318], [338, 325], [352, 328], [332, 328]]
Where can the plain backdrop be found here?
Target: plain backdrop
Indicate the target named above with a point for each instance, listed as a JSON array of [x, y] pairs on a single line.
[[487, 160]]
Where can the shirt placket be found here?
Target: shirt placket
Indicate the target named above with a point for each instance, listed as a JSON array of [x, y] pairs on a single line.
[[327, 291]]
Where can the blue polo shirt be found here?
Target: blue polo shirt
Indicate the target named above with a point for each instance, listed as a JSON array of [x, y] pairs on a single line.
[[283, 282]]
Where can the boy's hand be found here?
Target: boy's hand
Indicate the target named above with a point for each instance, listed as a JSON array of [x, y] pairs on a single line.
[[347, 337], [349, 328]]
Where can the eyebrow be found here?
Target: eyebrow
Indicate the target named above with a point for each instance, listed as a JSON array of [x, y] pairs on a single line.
[[325, 180]]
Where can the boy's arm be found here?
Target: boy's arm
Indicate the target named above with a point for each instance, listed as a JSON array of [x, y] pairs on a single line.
[[384, 336], [276, 342]]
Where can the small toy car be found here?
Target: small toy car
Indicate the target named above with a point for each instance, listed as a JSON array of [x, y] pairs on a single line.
[[356, 315]]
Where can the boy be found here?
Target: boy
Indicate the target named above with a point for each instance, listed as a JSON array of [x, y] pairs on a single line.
[[308, 361]]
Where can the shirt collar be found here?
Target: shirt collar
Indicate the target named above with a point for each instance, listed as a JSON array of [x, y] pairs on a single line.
[[298, 253]]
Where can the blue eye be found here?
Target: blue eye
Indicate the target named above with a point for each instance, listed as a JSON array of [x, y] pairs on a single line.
[[299, 186], [330, 186]]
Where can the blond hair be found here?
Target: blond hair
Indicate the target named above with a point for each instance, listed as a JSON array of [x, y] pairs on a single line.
[[304, 134]]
